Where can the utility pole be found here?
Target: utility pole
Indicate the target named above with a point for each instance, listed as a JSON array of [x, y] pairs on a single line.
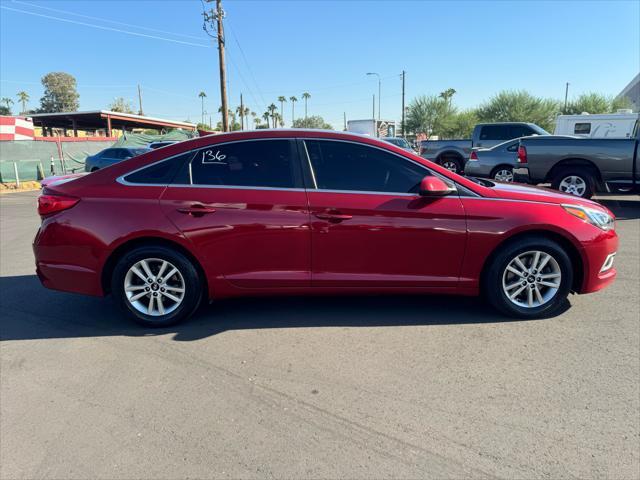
[[345, 121], [210, 17], [140, 112], [403, 132], [241, 113], [374, 107], [379, 96], [566, 95]]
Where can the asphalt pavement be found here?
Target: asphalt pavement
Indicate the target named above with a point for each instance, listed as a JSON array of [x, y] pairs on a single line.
[[352, 387]]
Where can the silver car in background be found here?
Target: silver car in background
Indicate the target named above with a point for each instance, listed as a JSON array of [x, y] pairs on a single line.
[[496, 162], [399, 142]]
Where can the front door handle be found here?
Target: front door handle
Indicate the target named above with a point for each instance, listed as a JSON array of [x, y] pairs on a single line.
[[196, 209], [333, 216]]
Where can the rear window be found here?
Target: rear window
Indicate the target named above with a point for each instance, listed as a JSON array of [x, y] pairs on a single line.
[[582, 128]]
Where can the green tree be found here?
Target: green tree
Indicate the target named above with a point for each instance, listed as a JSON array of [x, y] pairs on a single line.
[[305, 96], [282, 99], [60, 94], [520, 106], [596, 103], [430, 114], [121, 105], [293, 101], [23, 97], [266, 116], [314, 121], [463, 124], [6, 108]]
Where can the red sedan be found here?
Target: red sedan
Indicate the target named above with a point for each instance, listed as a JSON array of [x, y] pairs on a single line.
[[299, 212]]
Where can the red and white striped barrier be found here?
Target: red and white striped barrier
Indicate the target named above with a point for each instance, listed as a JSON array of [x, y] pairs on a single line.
[[16, 128]]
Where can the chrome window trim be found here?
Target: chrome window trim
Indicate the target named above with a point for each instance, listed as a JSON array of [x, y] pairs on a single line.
[[122, 180], [235, 187], [366, 192]]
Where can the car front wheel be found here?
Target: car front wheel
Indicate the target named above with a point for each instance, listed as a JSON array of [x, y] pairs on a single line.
[[156, 286], [529, 278]]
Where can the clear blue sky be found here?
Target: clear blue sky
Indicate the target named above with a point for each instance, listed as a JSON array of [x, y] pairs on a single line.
[[325, 48]]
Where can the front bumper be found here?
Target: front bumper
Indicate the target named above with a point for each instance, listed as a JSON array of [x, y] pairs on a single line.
[[599, 269], [521, 175]]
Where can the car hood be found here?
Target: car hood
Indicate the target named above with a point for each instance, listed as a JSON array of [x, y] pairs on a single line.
[[516, 191]]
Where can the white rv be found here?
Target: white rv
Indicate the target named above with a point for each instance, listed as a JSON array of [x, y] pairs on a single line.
[[605, 125]]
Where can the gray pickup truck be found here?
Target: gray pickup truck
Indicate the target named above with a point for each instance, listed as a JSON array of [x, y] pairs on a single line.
[[453, 154], [580, 166]]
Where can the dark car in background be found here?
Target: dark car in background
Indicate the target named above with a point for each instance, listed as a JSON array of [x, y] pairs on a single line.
[[109, 156]]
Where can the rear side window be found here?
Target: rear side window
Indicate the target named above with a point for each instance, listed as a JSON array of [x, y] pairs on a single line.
[[350, 166], [252, 163], [495, 132], [582, 128], [159, 173]]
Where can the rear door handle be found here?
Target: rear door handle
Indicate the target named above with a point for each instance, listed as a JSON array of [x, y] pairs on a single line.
[[197, 209], [335, 217]]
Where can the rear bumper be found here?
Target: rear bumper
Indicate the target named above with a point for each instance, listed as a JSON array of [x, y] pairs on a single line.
[[521, 175], [69, 278], [477, 169]]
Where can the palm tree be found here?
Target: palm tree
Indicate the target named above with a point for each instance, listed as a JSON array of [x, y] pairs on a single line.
[[240, 112], [256, 119], [282, 101], [266, 117], [8, 102], [279, 120], [272, 111], [447, 94], [293, 101], [202, 95], [23, 97], [306, 97]]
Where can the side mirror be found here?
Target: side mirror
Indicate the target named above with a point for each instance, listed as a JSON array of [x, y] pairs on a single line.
[[432, 186]]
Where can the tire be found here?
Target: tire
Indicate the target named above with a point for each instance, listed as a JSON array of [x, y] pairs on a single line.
[[505, 173], [452, 164], [499, 281], [578, 181], [155, 296]]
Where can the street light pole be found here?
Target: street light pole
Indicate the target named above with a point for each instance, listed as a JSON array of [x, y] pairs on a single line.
[[566, 95], [379, 88]]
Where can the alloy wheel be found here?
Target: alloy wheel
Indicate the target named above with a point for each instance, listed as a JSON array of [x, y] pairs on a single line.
[[573, 185], [450, 165], [154, 287], [531, 279], [504, 175]]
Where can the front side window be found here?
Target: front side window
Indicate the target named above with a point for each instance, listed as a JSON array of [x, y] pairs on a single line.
[[251, 163], [350, 166]]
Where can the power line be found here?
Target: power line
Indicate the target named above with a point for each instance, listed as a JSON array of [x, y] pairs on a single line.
[[100, 27], [107, 20]]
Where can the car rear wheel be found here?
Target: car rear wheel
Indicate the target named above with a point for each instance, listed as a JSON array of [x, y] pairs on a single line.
[[156, 286], [578, 182], [529, 278], [503, 174]]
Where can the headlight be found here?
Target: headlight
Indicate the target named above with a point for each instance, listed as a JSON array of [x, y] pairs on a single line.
[[595, 217]]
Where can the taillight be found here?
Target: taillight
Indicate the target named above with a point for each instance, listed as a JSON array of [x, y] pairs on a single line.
[[50, 204], [522, 154], [473, 156]]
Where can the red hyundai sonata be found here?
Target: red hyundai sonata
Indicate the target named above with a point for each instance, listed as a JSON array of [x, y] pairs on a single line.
[[299, 212]]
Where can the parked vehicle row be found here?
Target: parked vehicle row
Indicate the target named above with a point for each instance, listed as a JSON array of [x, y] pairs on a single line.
[[580, 166], [271, 212], [452, 154]]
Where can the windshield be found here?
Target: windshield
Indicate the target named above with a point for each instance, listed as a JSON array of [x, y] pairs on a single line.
[[539, 130]]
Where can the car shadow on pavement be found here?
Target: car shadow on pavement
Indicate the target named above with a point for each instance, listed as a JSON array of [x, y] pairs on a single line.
[[622, 209], [29, 311]]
